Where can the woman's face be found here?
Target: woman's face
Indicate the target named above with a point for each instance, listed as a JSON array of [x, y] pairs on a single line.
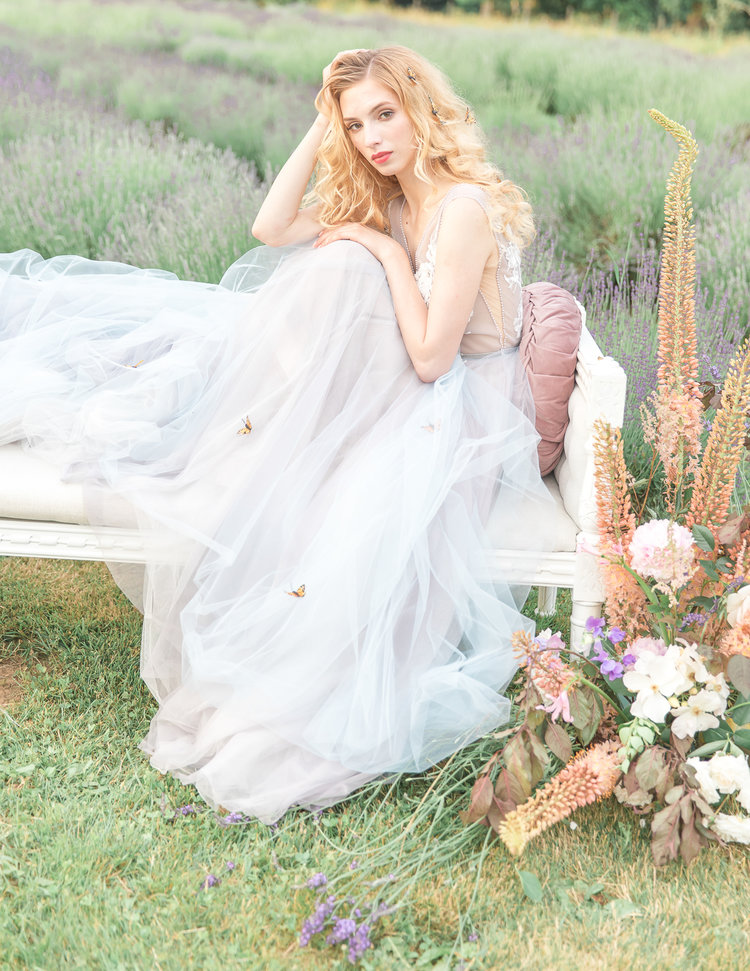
[[378, 126]]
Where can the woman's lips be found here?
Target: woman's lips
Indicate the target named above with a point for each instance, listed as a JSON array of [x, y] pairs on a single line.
[[381, 157]]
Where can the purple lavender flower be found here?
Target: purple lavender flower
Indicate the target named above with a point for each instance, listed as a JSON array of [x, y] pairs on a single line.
[[696, 618], [359, 942], [317, 920], [343, 929], [317, 880]]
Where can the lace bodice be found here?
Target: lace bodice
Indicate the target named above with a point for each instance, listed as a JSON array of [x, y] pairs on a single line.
[[495, 320]]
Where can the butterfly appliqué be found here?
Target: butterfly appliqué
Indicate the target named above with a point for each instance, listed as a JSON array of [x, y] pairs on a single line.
[[299, 592], [247, 427]]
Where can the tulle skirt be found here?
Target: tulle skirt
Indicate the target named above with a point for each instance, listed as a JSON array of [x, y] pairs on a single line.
[[313, 618]]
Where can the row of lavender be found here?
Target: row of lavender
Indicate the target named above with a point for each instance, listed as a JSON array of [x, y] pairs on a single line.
[[81, 177]]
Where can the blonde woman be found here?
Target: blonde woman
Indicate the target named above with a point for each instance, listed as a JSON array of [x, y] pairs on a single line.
[[314, 447]]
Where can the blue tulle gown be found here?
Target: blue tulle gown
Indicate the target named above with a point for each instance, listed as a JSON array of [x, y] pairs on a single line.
[[312, 617]]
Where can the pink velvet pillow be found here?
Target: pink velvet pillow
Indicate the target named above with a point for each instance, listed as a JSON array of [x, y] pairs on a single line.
[[549, 350]]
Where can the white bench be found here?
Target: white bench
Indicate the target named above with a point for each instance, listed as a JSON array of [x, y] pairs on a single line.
[[40, 516]]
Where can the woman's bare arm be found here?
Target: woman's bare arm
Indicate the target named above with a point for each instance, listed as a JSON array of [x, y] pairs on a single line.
[[432, 335], [280, 221]]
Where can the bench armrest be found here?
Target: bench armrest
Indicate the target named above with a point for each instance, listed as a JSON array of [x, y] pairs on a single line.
[[599, 392]]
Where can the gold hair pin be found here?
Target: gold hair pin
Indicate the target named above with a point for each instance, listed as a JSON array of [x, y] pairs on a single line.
[[470, 119]]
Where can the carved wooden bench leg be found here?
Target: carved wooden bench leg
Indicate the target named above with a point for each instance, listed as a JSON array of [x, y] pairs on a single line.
[[545, 604]]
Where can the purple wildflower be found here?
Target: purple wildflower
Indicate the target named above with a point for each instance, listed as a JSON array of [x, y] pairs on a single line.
[[595, 626], [317, 880], [210, 881], [473, 937], [231, 865], [354, 864], [628, 660], [343, 929], [616, 635], [612, 669], [696, 618], [317, 920], [359, 942]]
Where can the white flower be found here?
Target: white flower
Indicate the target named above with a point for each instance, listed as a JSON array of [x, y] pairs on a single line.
[[717, 683], [655, 679], [738, 606], [705, 780], [723, 774], [663, 550], [733, 829], [698, 715]]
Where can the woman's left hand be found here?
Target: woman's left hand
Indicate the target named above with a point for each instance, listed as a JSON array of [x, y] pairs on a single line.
[[376, 242]]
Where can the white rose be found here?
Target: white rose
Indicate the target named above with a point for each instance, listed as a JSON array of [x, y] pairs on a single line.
[[733, 829], [738, 606]]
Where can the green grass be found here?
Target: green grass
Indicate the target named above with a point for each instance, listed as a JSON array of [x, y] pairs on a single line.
[[95, 872]]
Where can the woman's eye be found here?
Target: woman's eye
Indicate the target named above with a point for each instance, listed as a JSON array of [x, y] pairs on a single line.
[[355, 126], [386, 114]]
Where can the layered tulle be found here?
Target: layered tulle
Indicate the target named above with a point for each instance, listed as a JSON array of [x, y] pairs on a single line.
[[271, 438]]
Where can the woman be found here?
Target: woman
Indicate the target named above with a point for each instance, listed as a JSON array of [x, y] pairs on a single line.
[[312, 447]]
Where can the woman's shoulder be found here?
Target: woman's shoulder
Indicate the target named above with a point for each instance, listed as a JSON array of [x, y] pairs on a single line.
[[468, 190]]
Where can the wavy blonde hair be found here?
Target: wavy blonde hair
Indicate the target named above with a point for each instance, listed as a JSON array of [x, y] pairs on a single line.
[[450, 145]]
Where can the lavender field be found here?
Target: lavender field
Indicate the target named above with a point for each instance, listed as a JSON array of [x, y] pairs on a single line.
[[145, 132]]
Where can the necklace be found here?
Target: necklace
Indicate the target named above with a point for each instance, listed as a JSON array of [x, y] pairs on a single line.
[[403, 234]]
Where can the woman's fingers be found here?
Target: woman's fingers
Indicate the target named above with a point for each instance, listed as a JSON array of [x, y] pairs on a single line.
[[329, 67]]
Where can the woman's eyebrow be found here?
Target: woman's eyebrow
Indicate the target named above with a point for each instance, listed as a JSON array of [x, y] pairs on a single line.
[[371, 111]]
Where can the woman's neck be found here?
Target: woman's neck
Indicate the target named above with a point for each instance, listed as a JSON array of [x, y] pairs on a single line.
[[421, 196]]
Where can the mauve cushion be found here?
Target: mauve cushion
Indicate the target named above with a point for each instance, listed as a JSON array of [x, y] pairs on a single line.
[[549, 350]]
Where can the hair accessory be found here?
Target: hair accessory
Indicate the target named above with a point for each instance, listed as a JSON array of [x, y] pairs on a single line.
[[413, 78], [470, 119]]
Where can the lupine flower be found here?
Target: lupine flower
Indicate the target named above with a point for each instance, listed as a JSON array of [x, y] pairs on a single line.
[[547, 672], [591, 775]]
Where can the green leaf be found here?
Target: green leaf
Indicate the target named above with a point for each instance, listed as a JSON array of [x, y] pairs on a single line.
[[620, 909], [557, 741], [665, 834], [742, 738], [480, 801], [739, 713], [709, 569], [703, 538], [532, 888], [738, 672], [709, 748]]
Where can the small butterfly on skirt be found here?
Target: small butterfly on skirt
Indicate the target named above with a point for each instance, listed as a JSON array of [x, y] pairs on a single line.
[[246, 427], [299, 592]]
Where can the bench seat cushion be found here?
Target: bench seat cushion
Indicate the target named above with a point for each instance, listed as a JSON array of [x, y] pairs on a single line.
[[31, 489]]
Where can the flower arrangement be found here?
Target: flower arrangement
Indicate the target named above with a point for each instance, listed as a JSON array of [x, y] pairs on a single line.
[[654, 705]]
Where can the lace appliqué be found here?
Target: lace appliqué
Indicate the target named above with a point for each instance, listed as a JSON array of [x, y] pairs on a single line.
[[426, 272], [513, 279]]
